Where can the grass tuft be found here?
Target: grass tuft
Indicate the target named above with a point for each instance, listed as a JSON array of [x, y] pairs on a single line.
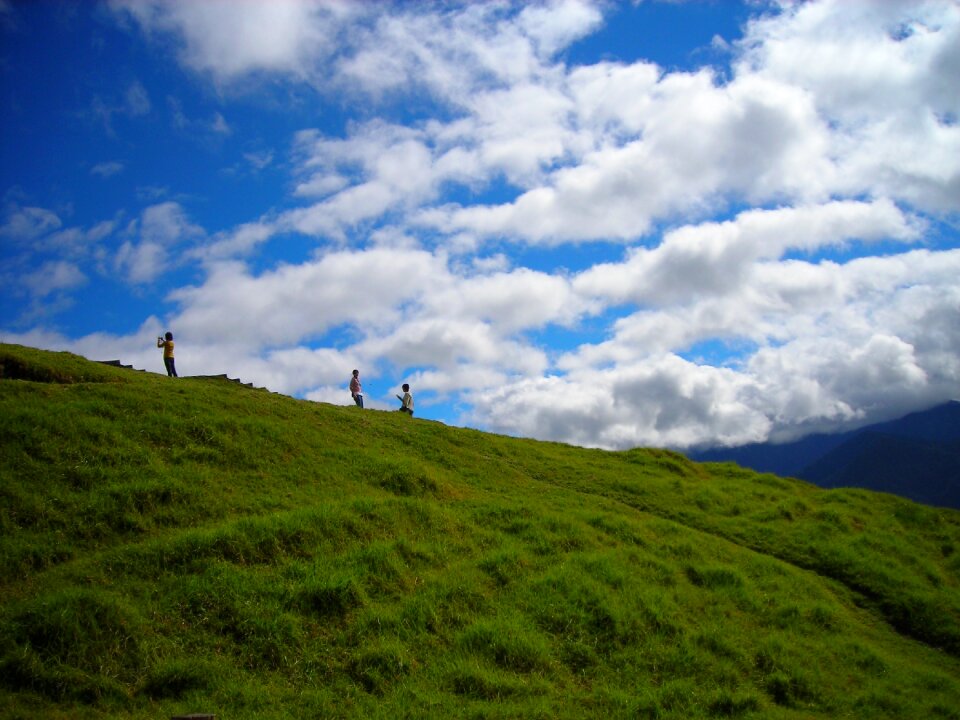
[[176, 677]]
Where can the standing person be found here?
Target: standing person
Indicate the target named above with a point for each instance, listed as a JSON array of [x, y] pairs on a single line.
[[356, 390], [166, 343], [407, 400]]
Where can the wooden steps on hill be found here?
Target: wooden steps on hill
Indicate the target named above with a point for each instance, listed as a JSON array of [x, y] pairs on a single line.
[[119, 364]]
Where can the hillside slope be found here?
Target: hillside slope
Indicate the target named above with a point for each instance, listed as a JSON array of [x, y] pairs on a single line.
[[174, 546]]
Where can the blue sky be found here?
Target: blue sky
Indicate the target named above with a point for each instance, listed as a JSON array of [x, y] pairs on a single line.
[[611, 224]]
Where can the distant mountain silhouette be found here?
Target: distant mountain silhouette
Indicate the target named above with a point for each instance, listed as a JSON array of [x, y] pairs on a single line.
[[917, 456]]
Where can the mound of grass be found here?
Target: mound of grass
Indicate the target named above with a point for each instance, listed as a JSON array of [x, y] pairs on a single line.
[[176, 546]]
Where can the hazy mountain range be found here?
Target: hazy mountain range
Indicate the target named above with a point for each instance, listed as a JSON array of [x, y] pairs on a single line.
[[917, 456]]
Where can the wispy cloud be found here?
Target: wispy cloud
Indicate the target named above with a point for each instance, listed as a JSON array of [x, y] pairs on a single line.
[[107, 169], [154, 234], [134, 104], [605, 252], [54, 276], [27, 223]]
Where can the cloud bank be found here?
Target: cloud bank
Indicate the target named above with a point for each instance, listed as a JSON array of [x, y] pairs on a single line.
[[771, 232]]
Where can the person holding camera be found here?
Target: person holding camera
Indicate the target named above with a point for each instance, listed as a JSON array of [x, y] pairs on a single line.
[[166, 343]]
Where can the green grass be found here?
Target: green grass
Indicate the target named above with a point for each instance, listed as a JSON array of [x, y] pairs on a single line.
[[193, 545]]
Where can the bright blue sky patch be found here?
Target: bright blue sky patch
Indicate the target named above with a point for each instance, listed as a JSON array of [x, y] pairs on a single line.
[[681, 36]]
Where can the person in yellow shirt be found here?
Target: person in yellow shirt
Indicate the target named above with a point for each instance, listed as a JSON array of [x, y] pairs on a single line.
[[166, 343]]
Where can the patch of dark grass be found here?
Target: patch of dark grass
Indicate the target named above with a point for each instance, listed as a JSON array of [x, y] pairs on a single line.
[[714, 578], [406, 480], [443, 607], [790, 689], [718, 644], [88, 629], [877, 704], [578, 655], [377, 667], [924, 617], [330, 596], [77, 643], [478, 682], [248, 541], [175, 677], [605, 569], [728, 703], [25, 670], [504, 566], [673, 698], [244, 608], [619, 528], [864, 659], [573, 606], [23, 554], [381, 568], [508, 519], [508, 643]]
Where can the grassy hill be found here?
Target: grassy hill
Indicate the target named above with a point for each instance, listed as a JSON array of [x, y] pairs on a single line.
[[176, 546]]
